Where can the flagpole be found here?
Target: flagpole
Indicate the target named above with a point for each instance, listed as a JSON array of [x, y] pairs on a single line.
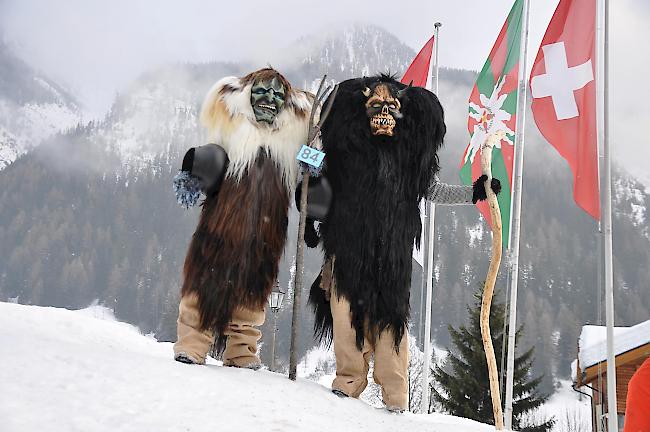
[[429, 235], [612, 421], [515, 220]]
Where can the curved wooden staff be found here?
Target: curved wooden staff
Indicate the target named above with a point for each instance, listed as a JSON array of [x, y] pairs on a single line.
[[493, 270]]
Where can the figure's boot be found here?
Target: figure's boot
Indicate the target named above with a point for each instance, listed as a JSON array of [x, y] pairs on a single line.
[[185, 358]]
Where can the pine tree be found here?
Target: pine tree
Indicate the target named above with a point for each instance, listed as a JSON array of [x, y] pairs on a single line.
[[463, 378]]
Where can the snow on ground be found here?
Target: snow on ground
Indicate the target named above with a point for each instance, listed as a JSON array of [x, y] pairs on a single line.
[[82, 371], [569, 407]]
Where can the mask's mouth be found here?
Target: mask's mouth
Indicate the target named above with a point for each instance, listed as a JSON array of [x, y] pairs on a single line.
[[382, 124], [270, 108], [265, 112]]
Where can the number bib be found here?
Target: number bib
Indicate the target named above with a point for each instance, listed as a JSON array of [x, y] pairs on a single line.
[[311, 156]]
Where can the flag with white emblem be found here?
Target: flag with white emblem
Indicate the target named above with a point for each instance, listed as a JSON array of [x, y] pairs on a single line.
[[492, 108], [563, 90]]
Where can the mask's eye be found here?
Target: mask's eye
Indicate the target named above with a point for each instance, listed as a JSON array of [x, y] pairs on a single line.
[[392, 106], [279, 95], [259, 91], [376, 105]]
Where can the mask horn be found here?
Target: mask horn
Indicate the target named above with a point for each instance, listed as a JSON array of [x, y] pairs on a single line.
[[366, 92], [400, 93]]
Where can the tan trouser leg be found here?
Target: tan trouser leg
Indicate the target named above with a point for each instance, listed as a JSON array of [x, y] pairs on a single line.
[[190, 340], [391, 369], [351, 364], [241, 345]]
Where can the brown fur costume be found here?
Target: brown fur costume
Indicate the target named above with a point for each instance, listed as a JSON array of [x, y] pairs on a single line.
[[233, 257]]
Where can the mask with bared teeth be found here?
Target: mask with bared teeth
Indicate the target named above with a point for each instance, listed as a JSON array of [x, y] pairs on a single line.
[[383, 109], [267, 99]]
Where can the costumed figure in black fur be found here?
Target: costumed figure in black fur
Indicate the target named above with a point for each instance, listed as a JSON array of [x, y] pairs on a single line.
[[258, 123], [381, 141]]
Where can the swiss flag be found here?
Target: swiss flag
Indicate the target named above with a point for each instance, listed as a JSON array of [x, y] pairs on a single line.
[[563, 89]]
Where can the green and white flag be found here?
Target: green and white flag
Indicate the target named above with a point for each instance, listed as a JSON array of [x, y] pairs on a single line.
[[493, 107]]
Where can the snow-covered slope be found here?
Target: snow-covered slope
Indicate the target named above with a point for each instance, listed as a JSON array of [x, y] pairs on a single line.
[[68, 370]]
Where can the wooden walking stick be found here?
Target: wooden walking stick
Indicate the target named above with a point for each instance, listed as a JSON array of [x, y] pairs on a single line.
[[493, 270], [312, 138]]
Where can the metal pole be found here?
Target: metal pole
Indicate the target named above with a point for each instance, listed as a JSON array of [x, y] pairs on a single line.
[[607, 222], [423, 287], [429, 235], [600, 95], [516, 213], [275, 329]]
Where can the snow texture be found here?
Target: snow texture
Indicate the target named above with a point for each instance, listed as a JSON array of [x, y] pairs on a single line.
[[592, 345], [82, 371]]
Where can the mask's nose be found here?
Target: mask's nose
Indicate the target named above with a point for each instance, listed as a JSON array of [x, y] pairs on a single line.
[[384, 110]]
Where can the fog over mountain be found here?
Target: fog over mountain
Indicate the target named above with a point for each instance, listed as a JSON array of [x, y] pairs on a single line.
[[32, 107], [90, 213]]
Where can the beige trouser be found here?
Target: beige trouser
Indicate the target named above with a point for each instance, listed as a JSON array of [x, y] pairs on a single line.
[[242, 336], [391, 369]]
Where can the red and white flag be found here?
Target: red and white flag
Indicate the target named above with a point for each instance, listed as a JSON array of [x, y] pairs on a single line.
[[418, 70], [418, 73], [563, 89]]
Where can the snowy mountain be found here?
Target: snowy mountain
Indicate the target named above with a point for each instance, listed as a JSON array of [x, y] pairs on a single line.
[[357, 50], [82, 370], [32, 108], [90, 215]]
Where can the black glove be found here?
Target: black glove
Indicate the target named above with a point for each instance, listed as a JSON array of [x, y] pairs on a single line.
[[208, 163], [319, 198], [311, 235], [479, 193]]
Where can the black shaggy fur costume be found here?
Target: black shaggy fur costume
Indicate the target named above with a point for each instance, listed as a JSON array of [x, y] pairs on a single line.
[[377, 183]]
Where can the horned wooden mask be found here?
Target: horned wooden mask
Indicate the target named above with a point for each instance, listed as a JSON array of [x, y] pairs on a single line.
[[383, 109]]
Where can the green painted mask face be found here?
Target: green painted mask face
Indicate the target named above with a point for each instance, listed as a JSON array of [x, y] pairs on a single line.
[[267, 99]]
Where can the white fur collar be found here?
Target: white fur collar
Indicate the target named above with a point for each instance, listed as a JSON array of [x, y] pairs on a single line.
[[228, 115]]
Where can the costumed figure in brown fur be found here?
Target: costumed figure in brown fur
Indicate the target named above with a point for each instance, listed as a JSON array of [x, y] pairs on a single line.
[[257, 124], [381, 140]]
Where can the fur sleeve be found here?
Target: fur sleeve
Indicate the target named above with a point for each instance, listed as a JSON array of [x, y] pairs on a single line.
[[425, 120]]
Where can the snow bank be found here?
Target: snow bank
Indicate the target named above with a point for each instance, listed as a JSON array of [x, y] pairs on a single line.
[[592, 348], [570, 408], [82, 371]]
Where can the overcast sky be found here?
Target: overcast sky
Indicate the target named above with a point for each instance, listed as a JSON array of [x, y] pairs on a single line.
[[95, 48]]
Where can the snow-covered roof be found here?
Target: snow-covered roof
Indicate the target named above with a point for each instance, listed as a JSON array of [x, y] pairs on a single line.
[[592, 345]]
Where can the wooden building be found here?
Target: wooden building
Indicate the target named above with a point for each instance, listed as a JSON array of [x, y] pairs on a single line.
[[631, 348]]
